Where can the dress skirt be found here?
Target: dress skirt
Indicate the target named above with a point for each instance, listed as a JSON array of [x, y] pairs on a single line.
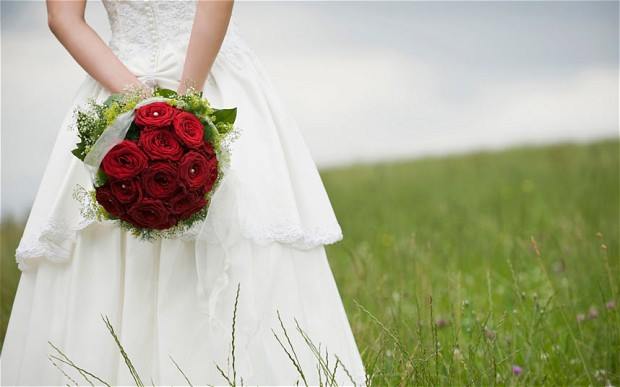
[[149, 291]]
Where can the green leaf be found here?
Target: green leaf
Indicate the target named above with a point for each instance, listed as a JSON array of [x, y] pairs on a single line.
[[77, 152], [210, 132], [166, 93], [225, 115], [133, 133], [101, 178]]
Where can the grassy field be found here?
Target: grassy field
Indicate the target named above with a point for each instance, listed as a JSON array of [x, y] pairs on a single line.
[[491, 268]]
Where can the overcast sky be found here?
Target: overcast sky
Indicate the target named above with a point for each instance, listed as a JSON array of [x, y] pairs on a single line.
[[365, 80]]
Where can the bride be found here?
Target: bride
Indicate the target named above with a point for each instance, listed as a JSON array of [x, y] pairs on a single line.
[[262, 240]]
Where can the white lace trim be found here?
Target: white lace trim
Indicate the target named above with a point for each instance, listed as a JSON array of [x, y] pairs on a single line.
[[56, 240], [53, 242], [294, 235]]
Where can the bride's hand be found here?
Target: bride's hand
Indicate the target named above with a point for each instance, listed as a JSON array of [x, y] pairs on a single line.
[[141, 88], [185, 86]]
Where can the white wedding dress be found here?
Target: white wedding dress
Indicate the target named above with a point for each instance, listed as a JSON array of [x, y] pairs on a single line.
[[265, 231]]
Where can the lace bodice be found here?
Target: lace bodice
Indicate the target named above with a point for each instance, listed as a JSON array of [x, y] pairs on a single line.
[[150, 36]]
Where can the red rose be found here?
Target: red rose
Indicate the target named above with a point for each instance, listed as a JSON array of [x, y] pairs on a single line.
[[160, 180], [207, 149], [187, 204], [212, 173], [155, 114], [160, 144], [150, 213], [107, 200], [188, 129], [195, 170], [127, 190], [124, 160]]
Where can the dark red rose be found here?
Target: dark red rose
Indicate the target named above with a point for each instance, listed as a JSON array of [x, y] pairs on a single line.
[[207, 149], [126, 190], [195, 170], [124, 160], [160, 180], [155, 114], [107, 200], [188, 129], [187, 204], [160, 144], [151, 213], [212, 173]]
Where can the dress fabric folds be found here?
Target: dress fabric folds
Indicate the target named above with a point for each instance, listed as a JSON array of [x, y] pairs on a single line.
[[264, 238]]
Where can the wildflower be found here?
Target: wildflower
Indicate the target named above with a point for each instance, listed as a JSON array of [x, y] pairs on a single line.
[[592, 313], [396, 297], [580, 317], [516, 370], [489, 334], [600, 375], [559, 266], [457, 354], [441, 323], [611, 304]]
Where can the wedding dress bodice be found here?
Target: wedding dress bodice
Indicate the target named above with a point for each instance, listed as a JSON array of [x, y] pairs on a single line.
[[145, 28], [151, 36]]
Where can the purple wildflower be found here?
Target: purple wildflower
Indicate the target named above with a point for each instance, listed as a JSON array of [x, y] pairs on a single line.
[[592, 313], [611, 304], [516, 370]]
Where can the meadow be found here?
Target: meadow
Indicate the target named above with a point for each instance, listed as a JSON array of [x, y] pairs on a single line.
[[494, 268]]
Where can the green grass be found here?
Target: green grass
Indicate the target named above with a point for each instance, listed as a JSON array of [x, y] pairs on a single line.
[[453, 270], [10, 233], [458, 231]]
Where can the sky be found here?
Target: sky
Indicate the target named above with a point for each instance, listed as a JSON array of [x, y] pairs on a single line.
[[366, 81]]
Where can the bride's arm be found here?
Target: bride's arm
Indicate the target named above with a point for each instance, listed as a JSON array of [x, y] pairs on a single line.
[[210, 25], [66, 21]]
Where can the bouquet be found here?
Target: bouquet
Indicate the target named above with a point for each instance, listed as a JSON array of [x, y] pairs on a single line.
[[155, 160]]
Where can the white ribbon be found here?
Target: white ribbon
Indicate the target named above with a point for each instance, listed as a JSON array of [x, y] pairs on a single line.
[[112, 135]]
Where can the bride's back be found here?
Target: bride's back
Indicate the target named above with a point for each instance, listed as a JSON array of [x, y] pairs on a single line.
[[145, 30], [151, 36]]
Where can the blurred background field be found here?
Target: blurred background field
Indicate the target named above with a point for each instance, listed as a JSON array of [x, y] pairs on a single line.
[[487, 268]]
